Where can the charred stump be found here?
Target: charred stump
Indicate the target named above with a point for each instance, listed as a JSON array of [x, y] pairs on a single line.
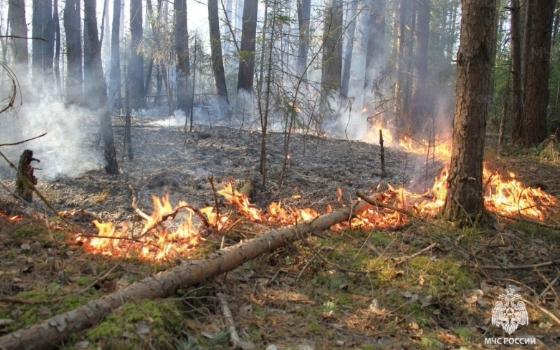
[[25, 179]]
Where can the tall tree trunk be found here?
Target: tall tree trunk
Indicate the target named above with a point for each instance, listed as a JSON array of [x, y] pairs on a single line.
[[464, 199], [375, 44], [182, 50], [409, 65], [95, 86], [115, 95], [216, 49], [516, 87], [404, 124], [49, 36], [304, 18], [135, 78], [18, 27], [348, 50], [331, 68], [72, 29], [247, 49], [58, 43], [537, 68], [38, 31], [421, 101]]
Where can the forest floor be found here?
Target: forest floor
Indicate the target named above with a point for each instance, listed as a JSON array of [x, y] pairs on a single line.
[[342, 289]]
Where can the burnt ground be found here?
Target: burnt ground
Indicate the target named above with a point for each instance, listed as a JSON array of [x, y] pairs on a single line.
[[346, 290], [168, 161]]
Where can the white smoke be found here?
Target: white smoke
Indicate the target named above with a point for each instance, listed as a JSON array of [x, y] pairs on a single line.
[[70, 147]]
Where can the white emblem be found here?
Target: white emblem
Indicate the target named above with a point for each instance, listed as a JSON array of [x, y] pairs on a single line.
[[509, 311]]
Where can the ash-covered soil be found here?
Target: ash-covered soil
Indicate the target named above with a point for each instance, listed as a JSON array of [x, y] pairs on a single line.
[[170, 161]]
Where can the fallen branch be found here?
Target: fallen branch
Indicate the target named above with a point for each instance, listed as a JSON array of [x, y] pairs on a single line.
[[544, 311], [53, 331], [403, 259], [23, 141], [156, 223], [527, 221], [520, 267], [134, 204], [236, 342]]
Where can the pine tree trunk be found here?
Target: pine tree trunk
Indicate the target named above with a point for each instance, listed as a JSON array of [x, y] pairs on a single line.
[[48, 35], [58, 40], [95, 87], [464, 199], [38, 46], [404, 124], [304, 17], [115, 95], [420, 100], [331, 68], [247, 49], [18, 27], [216, 50], [375, 44], [135, 78], [72, 29], [183, 61], [348, 50], [537, 68], [516, 87]]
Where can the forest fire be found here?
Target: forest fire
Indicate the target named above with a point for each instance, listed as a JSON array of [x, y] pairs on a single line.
[[10, 218], [503, 194], [156, 242], [161, 239]]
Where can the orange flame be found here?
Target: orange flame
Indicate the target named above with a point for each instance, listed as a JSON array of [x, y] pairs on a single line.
[[157, 242], [503, 194]]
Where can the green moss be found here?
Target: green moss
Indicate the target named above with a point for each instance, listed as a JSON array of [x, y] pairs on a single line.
[[29, 231], [43, 307], [430, 343], [533, 231], [464, 333], [332, 283], [439, 276], [139, 325], [380, 239], [383, 270]]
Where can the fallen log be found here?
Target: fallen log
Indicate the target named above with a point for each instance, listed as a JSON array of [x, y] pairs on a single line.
[[53, 331]]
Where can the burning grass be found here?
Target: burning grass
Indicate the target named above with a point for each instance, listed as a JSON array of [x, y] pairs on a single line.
[[161, 239]]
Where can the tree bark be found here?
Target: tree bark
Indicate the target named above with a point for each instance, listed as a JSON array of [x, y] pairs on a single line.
[[516, 86], [38, 31], [348, 50], [95, 87], [537, 68], [53, 331], [404, 124], [247, 49], [48, 35], [375, 44], [216, 50], [72, 28], [18, 27], [464, 199], [304, 18], [115, 95], [58, 46], [331, 68], [183, 62], [420, 99], [135, 78]]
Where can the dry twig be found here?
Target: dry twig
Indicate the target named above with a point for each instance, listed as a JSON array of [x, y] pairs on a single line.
[[236, 341]]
